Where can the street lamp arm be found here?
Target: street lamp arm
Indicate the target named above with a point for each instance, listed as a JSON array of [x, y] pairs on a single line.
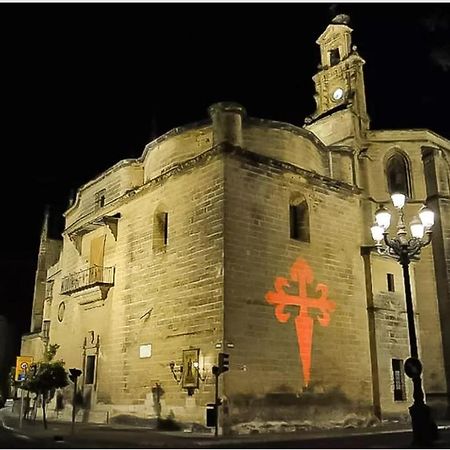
[[394, 245], [414, 247], [427, 240]]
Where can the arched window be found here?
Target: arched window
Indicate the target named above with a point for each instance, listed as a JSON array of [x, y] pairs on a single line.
[[299, 219], [397, 173]]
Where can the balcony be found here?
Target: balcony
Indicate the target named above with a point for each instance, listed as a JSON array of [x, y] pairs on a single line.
[[88, 278]]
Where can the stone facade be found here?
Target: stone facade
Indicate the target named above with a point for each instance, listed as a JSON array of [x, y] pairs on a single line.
[[191, 246]]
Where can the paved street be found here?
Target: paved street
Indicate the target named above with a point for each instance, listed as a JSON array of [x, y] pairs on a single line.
[[58, 435]]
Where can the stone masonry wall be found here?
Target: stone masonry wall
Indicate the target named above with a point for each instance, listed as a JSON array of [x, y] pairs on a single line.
[[391, 332], [169, 298], [265, 380]]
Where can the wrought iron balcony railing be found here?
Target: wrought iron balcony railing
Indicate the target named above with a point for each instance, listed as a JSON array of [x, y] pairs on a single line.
[[94, 276]]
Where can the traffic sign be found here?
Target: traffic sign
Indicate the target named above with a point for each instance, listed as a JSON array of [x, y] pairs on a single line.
[[23, 363]]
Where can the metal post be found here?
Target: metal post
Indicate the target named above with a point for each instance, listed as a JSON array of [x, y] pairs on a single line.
[[216, 404], [409, 309], [73, 403], [21, 407], [423, 427]]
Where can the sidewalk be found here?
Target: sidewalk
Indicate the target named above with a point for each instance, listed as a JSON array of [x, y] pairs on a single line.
[[61, 430]]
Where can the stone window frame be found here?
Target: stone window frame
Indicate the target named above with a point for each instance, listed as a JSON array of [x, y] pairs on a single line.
[[99, 199], [49, 289], [398, 378], [299, 219], [90, 369], [393, 154], [160, 228], [334, 56], [46, 329], [390, 280]]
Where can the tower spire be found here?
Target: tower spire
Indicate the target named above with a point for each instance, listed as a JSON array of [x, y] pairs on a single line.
[[44, 231]]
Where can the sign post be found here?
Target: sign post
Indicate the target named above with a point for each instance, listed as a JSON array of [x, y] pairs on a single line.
[[73, 375], [223, 366], [21, 408], [23, 364]]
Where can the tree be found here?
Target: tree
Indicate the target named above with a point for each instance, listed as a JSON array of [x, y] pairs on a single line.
[[45, 377]]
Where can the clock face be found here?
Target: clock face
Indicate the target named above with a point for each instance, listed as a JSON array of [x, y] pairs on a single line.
[[338, 94], [61, 310]]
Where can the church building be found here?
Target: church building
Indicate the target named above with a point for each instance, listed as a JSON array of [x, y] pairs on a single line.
[[252, 238]]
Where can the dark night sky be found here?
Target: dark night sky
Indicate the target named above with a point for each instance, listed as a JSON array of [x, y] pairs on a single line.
[[81, 83]]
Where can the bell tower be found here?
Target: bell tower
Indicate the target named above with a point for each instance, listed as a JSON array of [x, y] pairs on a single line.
[[341, 114]]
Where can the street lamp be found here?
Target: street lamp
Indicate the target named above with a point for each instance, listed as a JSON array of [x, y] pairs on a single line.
[[406, 249]]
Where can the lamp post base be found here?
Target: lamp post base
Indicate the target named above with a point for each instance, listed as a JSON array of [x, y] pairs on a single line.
[[424, 429]]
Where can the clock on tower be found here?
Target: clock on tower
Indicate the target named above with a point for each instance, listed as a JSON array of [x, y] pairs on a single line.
[[339, 82]]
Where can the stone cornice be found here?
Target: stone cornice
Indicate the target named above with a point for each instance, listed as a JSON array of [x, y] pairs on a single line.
[[175, 169], [411, 135], [204, 158], [312, 176], [123, 163], [134, 161]]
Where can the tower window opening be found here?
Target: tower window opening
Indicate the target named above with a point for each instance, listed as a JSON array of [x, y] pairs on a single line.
[[335, 56], [390, 282], [100, 198], [161, 230], [398, 175], [299, 221]]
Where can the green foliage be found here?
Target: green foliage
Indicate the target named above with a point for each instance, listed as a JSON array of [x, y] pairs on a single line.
[[47, 376]]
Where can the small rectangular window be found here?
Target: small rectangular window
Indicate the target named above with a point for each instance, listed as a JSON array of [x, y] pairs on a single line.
[[293, 221], [399, 380], [46, 329], [390, 282], [49, 289], [165, 228], [161, 230], [100, 198], [90, 369], [299, 222]]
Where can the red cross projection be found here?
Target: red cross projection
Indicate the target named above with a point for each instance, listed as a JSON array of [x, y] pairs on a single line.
[[302, 274]]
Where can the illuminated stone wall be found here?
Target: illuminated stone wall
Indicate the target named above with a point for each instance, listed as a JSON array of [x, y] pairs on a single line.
[[410, 143], [169, 298], [312, 326], [266, 369]]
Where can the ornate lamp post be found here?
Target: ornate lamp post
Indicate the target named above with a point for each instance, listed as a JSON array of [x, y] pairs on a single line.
[[406, 249]]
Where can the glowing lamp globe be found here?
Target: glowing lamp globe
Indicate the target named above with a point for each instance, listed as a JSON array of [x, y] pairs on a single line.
[[417, 228], [398, 200], [377, 232], [426, 216], [383, 217]]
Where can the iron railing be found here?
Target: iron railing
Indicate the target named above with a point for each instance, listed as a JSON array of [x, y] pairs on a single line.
[[87, 278]]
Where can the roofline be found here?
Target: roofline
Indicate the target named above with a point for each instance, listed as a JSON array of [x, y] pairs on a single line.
[[285, 126], [133, 161], [417, 134]]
